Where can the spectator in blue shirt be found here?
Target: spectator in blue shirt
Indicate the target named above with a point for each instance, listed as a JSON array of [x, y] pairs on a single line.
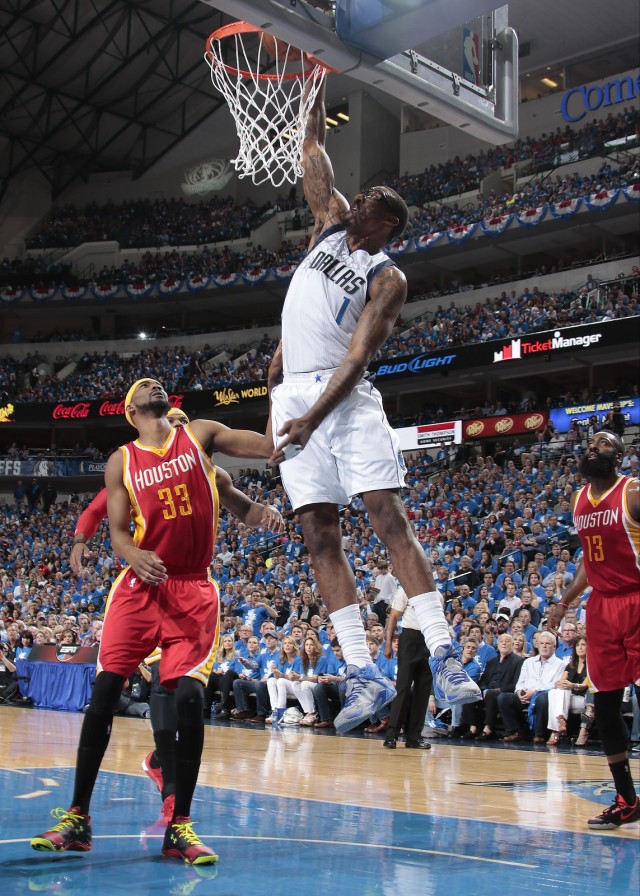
[[556, 532], [466, 598], [568, 635], [330, 686], [255, 682], [286, 681], [255, 611], [486, 651], [509, 572]]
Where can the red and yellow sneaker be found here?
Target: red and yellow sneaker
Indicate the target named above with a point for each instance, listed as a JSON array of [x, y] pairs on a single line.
[[73, 832], [168, 808], [618, 814], [181, 842], [154, 772]]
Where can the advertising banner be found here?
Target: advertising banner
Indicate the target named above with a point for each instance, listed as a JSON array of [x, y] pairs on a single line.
[[562, 417], [197, 402], [67, 653], [507, 425], [584, 338], [430, 435]]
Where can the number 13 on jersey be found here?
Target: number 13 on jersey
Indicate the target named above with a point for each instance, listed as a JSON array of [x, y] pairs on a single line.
[[595, 551]]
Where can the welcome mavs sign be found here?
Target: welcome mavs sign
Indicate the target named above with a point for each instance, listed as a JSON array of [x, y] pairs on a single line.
[[578, 101]]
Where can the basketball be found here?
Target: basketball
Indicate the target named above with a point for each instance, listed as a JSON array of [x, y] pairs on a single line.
[[278, 49]]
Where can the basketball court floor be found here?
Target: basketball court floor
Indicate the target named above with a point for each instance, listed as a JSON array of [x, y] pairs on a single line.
[[318, 814]]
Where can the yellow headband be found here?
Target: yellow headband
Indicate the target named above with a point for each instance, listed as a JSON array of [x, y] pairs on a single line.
[[130, 394]]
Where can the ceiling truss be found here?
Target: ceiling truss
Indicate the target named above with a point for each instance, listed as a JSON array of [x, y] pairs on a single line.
[[90, 87]]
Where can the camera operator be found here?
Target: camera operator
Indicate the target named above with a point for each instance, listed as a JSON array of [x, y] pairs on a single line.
[[8, 676]]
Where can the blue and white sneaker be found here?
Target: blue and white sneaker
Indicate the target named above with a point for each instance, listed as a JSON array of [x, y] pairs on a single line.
[[435, 727], [451, 684], [367, 692]]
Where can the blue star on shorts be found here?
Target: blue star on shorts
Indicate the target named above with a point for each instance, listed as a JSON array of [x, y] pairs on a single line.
[[318, 378]]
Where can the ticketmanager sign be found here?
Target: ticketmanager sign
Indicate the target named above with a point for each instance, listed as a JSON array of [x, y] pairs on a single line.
[[585, 338]]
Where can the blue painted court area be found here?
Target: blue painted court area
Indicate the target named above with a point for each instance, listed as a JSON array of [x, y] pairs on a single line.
[[316, 848]]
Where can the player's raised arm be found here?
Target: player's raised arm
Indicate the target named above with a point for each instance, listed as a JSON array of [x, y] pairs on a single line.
[[214, 436], [326, 203]]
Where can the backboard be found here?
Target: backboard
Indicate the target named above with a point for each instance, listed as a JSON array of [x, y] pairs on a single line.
[[456, 60]]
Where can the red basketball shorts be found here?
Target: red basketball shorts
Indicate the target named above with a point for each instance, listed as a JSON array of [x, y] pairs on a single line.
[[613, 640], [180, 616]]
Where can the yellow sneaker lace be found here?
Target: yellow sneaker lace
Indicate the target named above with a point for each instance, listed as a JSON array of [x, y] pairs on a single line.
[[67, 819], [186, 830]]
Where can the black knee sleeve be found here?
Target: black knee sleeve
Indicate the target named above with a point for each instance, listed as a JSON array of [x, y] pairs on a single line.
[[106, 693], [189, 702], [611, 725], [162, 705]]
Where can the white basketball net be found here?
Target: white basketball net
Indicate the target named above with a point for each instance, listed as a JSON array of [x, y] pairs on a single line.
[[270, 113]]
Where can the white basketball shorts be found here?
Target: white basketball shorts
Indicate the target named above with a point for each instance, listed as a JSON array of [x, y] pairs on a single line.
[[354, 449]]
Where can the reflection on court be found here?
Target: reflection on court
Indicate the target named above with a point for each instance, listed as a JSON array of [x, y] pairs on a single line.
[[327, 815]]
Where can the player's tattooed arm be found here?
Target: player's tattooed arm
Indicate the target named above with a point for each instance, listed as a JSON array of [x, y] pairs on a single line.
[[326, 203]]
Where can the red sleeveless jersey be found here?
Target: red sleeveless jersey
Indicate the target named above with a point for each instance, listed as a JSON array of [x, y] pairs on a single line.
[[610, 539], [174, 500]]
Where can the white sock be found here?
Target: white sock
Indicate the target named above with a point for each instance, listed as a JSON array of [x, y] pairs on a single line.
[[350, 633], [431, 618]]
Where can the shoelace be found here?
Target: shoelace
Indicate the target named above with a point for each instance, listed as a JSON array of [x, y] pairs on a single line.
[[186, 830], [455, 675], [67, 819]]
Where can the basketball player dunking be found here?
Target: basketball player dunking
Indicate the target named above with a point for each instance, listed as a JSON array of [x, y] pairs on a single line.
[[166, 483], [342, 304], [606, 514]]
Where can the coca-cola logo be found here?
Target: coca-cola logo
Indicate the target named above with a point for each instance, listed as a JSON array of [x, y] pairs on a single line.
[[71, 411], [475, 428], [112, 408], [535, 421], [82, 409], [504, 425]]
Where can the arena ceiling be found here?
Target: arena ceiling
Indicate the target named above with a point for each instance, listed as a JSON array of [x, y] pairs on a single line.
[[88, 86]]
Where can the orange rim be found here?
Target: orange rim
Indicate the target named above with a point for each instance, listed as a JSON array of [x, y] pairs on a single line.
[[246, 28]]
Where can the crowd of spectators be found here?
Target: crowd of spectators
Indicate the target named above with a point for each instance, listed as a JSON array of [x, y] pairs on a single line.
[[544, 152], [153, 267], [497, 529], [157, 267], [108, 374], [140, 223], [143, 222], [515, 314], [437, 218], [176, 222]]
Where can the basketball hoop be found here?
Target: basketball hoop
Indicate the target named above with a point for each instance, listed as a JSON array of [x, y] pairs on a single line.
[[270, 95]]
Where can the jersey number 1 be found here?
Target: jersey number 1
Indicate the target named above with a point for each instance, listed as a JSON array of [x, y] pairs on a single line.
[[343, 310]]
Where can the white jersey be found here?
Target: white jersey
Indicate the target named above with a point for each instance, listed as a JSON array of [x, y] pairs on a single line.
[[324, 302]]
